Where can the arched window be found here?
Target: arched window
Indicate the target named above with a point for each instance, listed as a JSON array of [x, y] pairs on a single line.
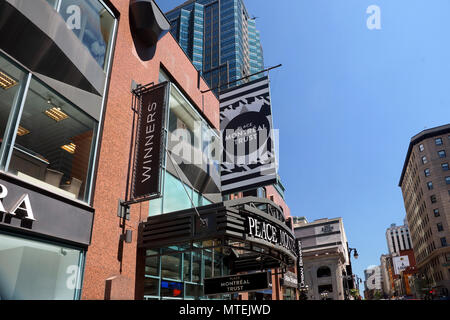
[[323, 272]]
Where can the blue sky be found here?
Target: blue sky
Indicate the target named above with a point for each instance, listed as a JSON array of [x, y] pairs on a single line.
[[347, 102]]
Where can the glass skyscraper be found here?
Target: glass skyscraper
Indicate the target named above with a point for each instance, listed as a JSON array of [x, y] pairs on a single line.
[[220, 38]]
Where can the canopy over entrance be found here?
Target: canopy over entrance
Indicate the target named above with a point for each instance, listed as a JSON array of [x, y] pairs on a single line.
[[252, 232]]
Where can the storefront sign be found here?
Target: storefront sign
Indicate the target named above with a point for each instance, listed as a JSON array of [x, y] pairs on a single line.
[[149, 147], [289, 280], [22, 207], [25, 208], [270, 233], [248, 143], [237, 283], [300, 269], [400, 264]]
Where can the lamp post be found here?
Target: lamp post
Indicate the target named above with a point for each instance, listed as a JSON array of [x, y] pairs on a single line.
[[355, 255]]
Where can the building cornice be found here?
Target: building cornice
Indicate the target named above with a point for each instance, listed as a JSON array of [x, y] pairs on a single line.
[[426, 134]]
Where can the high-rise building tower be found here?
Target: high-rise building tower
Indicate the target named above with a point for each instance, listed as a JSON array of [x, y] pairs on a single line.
[[425, 184], [398, 239], [220, 38]]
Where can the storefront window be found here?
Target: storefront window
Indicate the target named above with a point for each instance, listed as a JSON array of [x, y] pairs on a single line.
[[182, 274], [187, 267], [193, 290], [151, 287], [171, 266], [191, 142], [196, 267], [10, 82], [32, 270], [152, 266], [91, 22], [207, 264], [175, 197], [53, 144]]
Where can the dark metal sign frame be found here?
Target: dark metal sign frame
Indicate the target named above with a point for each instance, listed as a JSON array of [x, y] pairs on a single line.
[[237, 283], [137, 147]]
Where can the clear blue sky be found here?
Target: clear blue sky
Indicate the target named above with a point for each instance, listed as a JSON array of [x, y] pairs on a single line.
[[347, 102]]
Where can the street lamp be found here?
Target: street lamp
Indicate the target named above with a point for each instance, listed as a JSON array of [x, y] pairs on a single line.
[[355, 255]]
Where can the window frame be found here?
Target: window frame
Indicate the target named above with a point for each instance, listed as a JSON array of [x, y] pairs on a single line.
[[17, 109]]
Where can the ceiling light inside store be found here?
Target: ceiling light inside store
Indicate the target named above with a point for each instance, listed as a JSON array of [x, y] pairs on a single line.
[[56, 114], [70, 148], [22, 131], [6, 81]]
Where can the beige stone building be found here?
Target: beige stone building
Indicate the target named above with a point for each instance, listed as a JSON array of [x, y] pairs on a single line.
[[325, 258], [425, 184]]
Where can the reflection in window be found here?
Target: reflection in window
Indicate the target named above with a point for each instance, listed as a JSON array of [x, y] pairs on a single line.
[[171, 266], [207, 264], [187, 266], [151, 287], [91, 23], [196, 264], [54, 150], [191, 142], [32, 270], [193, 290], [175, 197], [10, 77], [152, 266]]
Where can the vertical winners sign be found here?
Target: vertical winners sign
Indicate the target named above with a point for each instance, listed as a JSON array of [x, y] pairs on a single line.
[[149, 143], [248, 145]]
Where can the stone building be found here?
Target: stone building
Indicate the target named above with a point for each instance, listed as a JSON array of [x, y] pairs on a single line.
[[326, 259]]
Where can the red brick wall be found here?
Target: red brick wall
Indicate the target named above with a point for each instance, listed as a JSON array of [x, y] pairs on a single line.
[[101, 261], [271, 191]]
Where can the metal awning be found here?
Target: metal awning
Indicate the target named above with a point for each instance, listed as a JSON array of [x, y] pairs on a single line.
[[228, 229]]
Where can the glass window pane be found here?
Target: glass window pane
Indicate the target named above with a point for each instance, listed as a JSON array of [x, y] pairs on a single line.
[[32, 270], [151, 287], [91, 23], [52, 3], [175, 197], [217, 264], [171, 289], [207, 263], [196, 265], [155, 207], [187, 267], [194, 291], [54, 151], [171, 267], [184, 124], [10, 77], [152, 266]]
